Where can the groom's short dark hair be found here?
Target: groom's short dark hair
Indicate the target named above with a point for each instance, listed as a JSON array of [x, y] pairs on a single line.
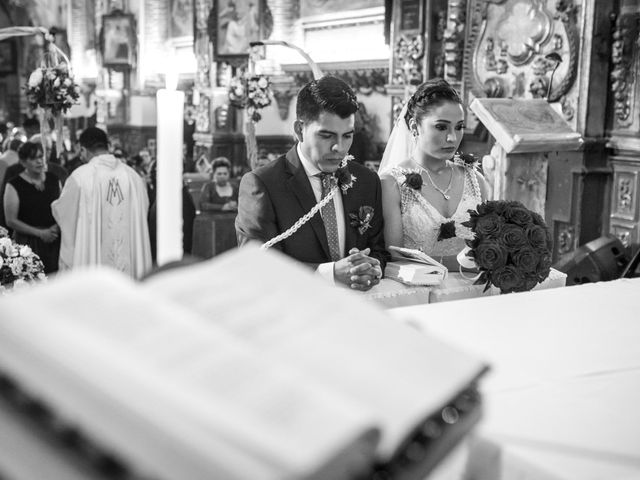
[[327, 94]]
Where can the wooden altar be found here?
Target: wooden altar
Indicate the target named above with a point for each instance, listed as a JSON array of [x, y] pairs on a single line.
[[531, 138]]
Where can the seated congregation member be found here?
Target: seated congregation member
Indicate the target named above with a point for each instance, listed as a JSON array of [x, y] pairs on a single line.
[[345, 240], [102, 212], [219, 194], [27, 206], [426, 190]]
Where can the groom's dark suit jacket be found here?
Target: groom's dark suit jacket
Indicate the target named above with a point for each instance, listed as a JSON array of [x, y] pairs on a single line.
[[273, 197]]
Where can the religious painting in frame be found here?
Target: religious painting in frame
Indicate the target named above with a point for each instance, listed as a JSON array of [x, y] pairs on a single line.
[[7, 57], [181, 21], [118, 40], [237, 23], [310, 8]]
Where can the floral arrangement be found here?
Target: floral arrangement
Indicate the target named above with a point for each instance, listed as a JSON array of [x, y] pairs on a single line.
[[362, 219], [345, 178], [511, 245], [250, 92], [52, 88], [18, 263]]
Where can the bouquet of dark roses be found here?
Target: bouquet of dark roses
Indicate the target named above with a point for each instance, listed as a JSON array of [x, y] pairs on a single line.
[[511, 245], [18, 264]]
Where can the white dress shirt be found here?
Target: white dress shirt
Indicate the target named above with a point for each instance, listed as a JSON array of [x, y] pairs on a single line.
[[324, 269]]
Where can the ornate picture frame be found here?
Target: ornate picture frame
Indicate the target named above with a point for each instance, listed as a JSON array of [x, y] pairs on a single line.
[[118, 40], [233, 24]]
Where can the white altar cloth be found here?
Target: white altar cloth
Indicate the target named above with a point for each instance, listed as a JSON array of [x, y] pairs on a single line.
[[563, 394], [392, 294]]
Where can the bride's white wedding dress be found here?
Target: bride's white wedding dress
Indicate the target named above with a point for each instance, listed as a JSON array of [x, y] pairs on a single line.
[[422, 223]]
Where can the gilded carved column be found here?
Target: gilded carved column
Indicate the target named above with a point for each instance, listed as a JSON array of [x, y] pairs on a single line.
[[284, 13], [625, 115]]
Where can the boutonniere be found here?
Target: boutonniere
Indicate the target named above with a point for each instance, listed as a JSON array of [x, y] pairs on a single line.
[[362, 219], [345, 178], [413, 180], [447, 230]]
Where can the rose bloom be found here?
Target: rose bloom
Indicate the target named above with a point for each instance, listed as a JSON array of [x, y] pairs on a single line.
[[25, 250], [507, 279], [490, 255], [525, 259], [513, 236], [518, 215], [35, 79], [537, 237], [530, 281], [413, 180], [263, 83], [489, 225]]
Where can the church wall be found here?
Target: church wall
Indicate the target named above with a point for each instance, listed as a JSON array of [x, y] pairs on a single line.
[[522, 49]]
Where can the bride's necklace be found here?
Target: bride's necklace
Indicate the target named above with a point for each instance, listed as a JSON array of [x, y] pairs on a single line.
[[445, 192]]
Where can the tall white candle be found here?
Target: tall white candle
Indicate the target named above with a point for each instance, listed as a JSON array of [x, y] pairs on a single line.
[[170, 105]]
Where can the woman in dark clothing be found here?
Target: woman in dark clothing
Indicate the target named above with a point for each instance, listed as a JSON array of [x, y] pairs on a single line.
[[27, 206], [219, 195]]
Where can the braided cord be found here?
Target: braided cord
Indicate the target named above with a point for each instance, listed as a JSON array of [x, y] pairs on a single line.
[[302, 220], [309, 215]]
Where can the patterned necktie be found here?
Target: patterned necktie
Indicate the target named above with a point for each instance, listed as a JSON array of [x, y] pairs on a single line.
[[329, 217]]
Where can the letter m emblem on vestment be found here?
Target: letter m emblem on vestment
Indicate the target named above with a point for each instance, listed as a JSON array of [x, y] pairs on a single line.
[[114, 192]]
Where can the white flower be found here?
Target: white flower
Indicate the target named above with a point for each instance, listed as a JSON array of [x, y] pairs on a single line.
[[67, 82], [5, 244], [35, 79], [51, 74], [56, 82], [25, 251], [263, 82]]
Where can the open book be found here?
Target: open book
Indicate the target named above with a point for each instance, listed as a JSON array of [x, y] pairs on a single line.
[[234, 369], [413, 267]]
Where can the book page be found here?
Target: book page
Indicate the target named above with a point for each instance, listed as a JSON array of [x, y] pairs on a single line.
[[409, 254], [335, 335], [171, 392]]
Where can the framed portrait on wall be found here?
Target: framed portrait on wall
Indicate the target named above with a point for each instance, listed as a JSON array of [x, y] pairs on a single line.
[[236, 24], [118, 39], [7, 57], [182, 20]]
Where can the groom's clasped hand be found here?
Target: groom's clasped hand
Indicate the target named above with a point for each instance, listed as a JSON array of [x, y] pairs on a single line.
[[358, 270]]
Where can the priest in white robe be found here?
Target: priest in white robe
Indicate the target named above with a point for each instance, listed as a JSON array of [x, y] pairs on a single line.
[[102, 212]]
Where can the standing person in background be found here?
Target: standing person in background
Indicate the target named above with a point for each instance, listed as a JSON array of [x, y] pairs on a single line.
[[102, 212], [8, 159], [27, 206], [219, 195]]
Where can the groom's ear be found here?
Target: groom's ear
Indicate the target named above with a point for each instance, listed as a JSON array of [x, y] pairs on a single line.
[[297, 128]]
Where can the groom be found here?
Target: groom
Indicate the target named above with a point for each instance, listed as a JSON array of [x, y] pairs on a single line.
[[344, 241]]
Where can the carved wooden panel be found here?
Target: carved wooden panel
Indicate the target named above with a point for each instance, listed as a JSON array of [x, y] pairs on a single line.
[[522, 49], [625, 203]]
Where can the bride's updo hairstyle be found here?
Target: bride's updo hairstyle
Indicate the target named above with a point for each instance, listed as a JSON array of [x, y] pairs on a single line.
[[429, 95]]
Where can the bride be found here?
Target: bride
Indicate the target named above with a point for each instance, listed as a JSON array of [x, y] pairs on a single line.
[[427, 188]]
